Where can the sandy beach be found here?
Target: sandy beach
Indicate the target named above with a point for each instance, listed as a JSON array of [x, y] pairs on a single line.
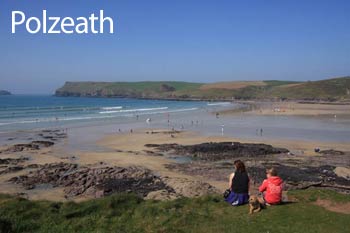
[[126, 149], [58, 163], [295, 109]]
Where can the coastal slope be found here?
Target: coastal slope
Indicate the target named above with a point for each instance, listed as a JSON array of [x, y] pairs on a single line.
[[336, 89]]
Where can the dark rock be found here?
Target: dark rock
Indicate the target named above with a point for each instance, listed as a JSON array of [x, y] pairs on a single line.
[[332, 152], [13, 161], [220, 151], [43, 143], [3, 92], [11, 169], [34, 145], [93, 181]]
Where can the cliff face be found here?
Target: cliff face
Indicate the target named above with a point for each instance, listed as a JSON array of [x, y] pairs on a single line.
[[3, 92], [337, 89]]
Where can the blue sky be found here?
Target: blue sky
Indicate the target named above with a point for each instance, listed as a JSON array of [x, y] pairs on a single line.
[[185, 40]]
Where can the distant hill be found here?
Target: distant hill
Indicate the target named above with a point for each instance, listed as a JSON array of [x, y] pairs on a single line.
[[3, 92], [337, 89]]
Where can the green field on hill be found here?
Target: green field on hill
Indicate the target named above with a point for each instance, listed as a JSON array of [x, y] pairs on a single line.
[[128, 213], [337, 89]]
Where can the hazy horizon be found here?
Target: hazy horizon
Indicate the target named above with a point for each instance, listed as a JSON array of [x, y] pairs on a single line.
[[194, 41]]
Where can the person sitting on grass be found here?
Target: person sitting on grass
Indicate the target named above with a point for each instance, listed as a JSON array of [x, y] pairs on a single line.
[[272, 188], [238, 185]]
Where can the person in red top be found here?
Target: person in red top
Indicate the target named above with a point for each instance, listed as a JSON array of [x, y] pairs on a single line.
[[272, 187]]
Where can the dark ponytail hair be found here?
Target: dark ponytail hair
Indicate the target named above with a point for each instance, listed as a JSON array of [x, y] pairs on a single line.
[[239, 166]]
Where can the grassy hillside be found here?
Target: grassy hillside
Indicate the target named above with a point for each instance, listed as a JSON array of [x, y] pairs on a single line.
[[127, 89], [327, 90], [128, 213]]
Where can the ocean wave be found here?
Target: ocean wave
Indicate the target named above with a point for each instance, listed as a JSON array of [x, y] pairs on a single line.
[[134, 110], [218, 103], [111, 108], [143, 112]]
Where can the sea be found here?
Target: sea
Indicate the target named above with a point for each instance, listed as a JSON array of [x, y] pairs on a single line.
[[89, 119], [24, 112]]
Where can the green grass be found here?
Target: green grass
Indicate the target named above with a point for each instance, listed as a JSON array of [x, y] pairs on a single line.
[[128, 213]]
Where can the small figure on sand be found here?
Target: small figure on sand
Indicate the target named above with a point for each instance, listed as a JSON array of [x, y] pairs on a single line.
[[137, 117], [261, 132], [149, 120], [131, 131], [217, 115], [222, 129]]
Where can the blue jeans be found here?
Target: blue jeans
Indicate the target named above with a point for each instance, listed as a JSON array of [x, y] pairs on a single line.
[[236, 199]]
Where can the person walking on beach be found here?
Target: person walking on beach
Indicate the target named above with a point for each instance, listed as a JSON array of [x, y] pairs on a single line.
[[238, 185], [261, 132]]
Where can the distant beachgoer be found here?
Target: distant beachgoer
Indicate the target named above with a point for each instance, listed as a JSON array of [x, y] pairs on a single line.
[[222, 129], [182, 127], [238, 185], [217, 115], [261, 132], [119, 130], [148, 121], [131, 131], [137, 117], [191, 122], [272, 187]]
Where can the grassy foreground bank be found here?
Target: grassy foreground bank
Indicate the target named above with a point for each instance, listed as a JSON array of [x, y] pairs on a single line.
[[128, 213]]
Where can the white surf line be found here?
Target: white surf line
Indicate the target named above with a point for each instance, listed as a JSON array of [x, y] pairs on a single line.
[[134, 110], [219, 103], [112, 108]]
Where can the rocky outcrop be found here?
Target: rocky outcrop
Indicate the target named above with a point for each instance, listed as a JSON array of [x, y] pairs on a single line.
[[101, 181], [12, 161], [3, 92], [332, 152], [34, 145], [295, 177], [219, 151]]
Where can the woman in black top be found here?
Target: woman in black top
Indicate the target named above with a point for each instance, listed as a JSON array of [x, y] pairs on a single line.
[[239, 185]]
